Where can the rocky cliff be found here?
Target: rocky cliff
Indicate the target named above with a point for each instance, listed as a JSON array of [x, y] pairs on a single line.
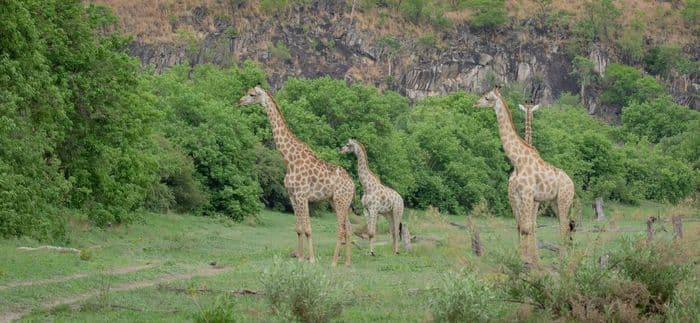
[[324, 38]]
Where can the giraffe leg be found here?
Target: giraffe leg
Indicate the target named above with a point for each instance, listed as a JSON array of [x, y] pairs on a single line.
[[309, 237], [342, 207], [397, 214], [299, 227], [371, 228], [562, 207], [526, 222]]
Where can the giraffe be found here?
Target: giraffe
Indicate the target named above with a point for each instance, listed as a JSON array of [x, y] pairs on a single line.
[[377, 198], [307, 178], [529, 108], [532, 181]]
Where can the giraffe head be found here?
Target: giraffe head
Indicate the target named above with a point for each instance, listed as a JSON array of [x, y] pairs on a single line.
[[489, 99], [529, 106], [350, 146], [253, 96]]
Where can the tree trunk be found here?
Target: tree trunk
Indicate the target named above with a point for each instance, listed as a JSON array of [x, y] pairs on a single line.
[[476, 239], [598, 208], [677, 227], [650, 228], [405, 236]]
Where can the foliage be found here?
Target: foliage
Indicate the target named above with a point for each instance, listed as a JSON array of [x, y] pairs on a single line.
[[666, 59], [653, 175], [488, 13], [624, 84], [201, 120], [657, 119], [458, 161], [303, 292], [464, 297]]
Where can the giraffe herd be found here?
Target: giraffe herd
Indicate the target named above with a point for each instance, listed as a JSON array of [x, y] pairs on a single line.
[[310, 179]]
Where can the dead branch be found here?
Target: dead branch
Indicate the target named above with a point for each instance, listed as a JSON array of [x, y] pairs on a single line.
[[50, 248], [461, 226], [235, 292], [546, 245]]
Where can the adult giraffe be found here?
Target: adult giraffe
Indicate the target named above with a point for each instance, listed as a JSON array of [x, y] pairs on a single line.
[[532, 181], [307, 179]]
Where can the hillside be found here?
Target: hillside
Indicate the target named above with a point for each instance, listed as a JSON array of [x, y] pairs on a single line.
[[424, 48]]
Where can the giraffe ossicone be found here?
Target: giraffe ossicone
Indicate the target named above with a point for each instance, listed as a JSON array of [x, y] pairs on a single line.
[[307, 178], [377, 198], [532, 181]]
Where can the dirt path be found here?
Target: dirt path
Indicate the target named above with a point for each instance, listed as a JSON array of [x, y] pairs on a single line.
[[118, 271], [202, 272]]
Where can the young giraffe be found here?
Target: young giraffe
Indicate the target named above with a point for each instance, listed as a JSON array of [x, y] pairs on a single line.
[[529, 109], [533, 180], [308, 178], [377, 198]]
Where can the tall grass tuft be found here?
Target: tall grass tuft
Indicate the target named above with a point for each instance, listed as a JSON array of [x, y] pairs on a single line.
[[464, 297], [304, 292]]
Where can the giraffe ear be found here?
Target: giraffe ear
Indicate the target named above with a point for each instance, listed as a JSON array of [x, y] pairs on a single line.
[[535, 107], [521, 107]]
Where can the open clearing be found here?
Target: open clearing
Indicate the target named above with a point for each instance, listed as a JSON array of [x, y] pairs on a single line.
[[151, 271]]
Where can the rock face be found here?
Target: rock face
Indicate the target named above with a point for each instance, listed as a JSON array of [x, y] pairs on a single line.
[[322, 39]]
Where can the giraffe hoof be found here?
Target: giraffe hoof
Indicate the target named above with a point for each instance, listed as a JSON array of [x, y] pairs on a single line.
[[312, 260], [371, 253]]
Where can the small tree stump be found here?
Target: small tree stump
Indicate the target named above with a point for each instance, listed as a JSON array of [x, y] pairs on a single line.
[[476, 238], [677, 227], [650, 228], [598, 209], [405, 236]]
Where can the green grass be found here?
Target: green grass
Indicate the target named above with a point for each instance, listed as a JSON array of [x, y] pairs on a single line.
[[383, 288]]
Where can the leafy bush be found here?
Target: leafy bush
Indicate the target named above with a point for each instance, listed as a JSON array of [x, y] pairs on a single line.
[[660, 267], [464, 297], [624, 84], [201, 120], [303, 292]]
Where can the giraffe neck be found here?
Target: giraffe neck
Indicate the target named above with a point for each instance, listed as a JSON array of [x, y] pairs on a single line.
[[367, 178], [281, 134], [528, 126], [513, 145]]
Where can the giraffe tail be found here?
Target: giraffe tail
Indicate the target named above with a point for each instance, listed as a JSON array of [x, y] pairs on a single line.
[[400, 231]]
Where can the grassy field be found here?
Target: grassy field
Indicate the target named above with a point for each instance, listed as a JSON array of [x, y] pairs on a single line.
[[151, 271]]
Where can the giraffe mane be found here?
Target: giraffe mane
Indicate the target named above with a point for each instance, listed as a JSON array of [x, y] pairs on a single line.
[[298, 141], [364, 151], [512, 125]]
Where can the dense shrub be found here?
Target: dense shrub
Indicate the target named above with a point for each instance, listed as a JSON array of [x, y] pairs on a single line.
[[201, 119], [624, 84], [638, 284], [464, 297], [303, 292]]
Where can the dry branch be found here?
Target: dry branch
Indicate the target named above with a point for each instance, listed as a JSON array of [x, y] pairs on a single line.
[[50, 248], [546, 245], [235, 292]]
